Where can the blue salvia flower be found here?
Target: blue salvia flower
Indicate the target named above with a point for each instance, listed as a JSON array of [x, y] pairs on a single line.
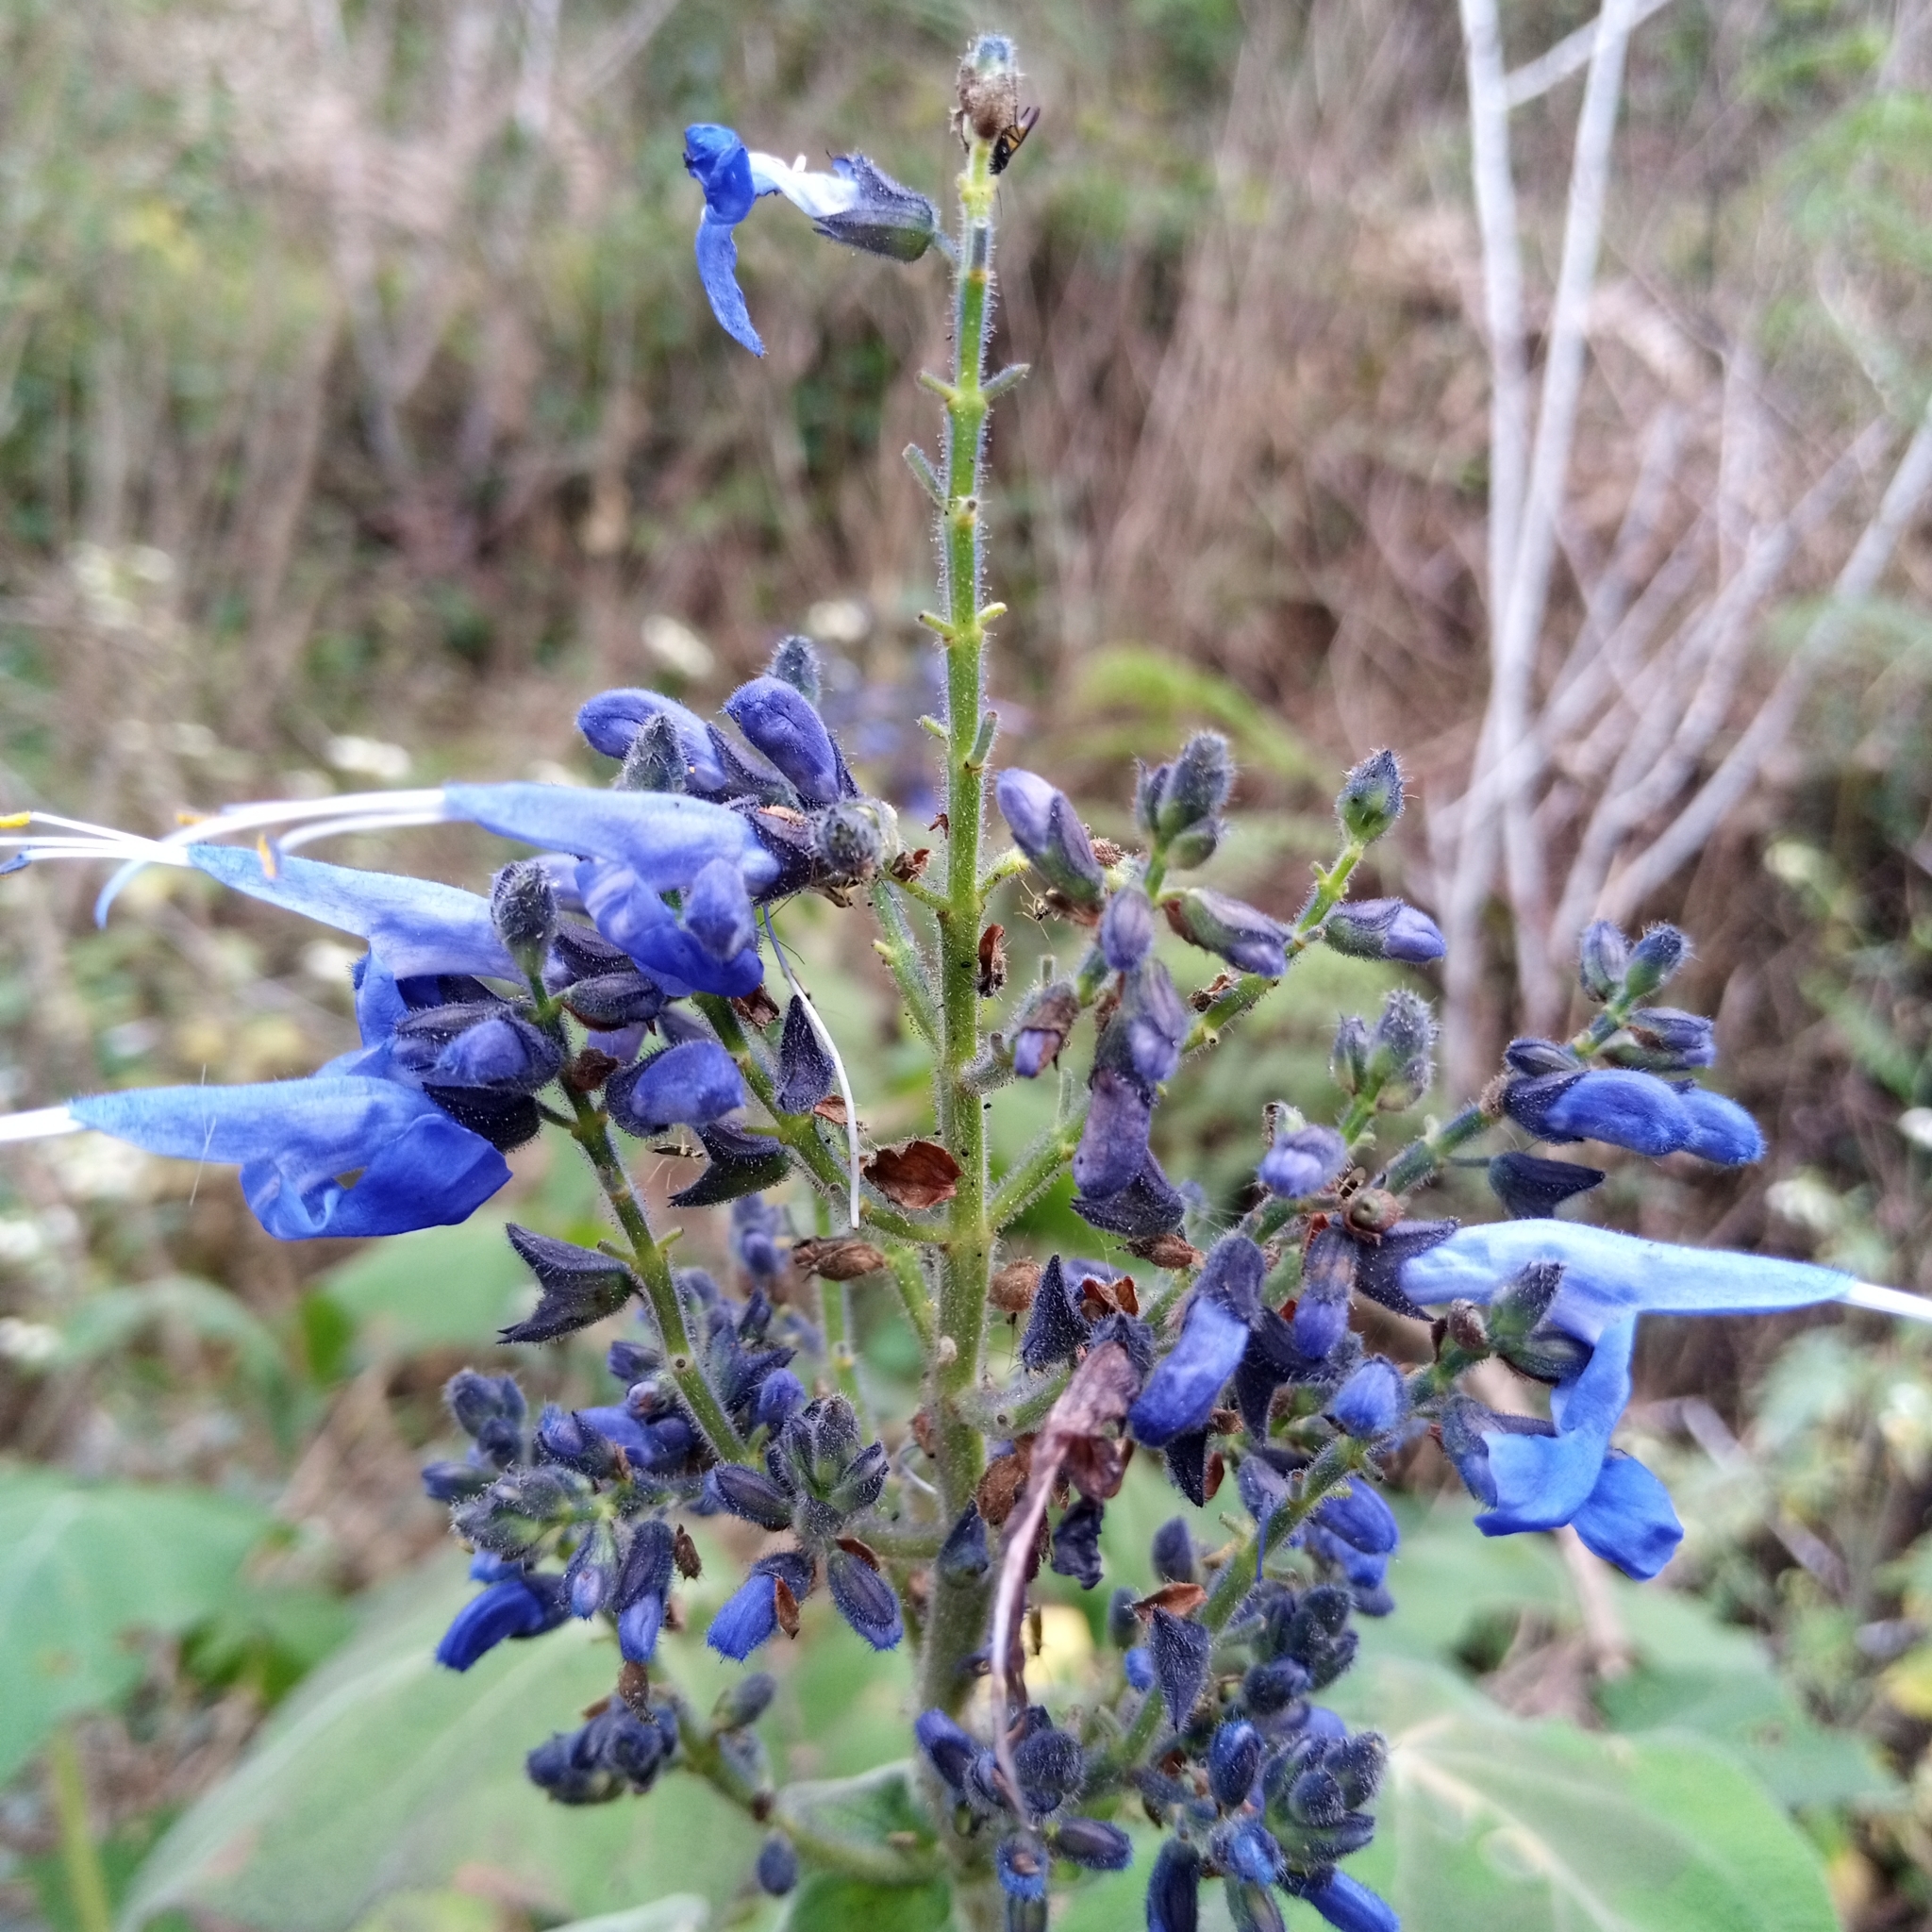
[[750, 1615], [756, 1227], [293, 1140], [1248, 940], [864, 1598], [1630, 1108], [1187, 1382], [777, 1866], [1149, 1205], [643, 1590], [1041, 1026], [1173, 1889], [1114, 1139], [857, 204], [711, 947], [783, 725], [1126, 929], [1144, 1036], [1349, 1906], [1372, 1400], [612, 720]]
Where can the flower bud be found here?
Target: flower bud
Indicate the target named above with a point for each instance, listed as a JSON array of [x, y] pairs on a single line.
[[796, 661], [1197, 784], [1303, 1162], [522, 907], [777, 1866], [1401, 1051], [1113, 1142], [1383, 929], [1144, 1036], [1093, 1843], [1234, 1759], [656, 761], [696, 1082], [1370, 800], [989, 87], [782, 725], [1601, 961], [1048, 831], [1248, 940], [1672, 1040], [1126, 929], [744, 1701], [884, 218], [1042, 1027], [591, 1572], [1372, 1400], [1348, 1058], [848, 842], [475, 1043], [1175, 1559], [1653, 960]]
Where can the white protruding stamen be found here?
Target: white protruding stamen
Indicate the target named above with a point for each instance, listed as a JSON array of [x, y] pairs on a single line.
[[360, 822], [814, 195], [1890, 1301], [831, 1047], [42, 1124]]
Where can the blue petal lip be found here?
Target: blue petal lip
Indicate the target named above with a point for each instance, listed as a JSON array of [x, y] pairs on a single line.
[[510, 1608], [1625, 1108], [293, 1139], [665, 837], [1351, 1906], [717, 159], [413, 927], [1179, 1396], [1608, 1275], [630, 914], [1629, 1520], [717, 251]]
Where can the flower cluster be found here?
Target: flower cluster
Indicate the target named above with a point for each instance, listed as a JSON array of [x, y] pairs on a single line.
[[613, 986]]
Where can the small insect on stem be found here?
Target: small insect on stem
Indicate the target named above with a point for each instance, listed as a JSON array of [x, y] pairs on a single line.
[[1009, 143]]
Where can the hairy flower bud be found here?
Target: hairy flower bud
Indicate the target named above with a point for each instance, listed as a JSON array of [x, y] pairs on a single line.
[[1042, 1027], [849, 842], [1383, 929], [1048, 831], [656, 761], [1302, 1162], [1195, 788], [1401, 1051], [1248, 940], [1126, 929], [1372, 1400], [796, 661], [787, 728], [1653, 960], [1601, 961], [885, 217], [522, 907], [1370, 800]]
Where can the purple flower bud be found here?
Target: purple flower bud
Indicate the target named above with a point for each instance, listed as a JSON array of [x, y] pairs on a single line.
[[805, 1068], [1720, 1129], [694, 1083], [1383, 929], [777, 1867], [1370, 801], [1358, 1516], [1349, 1905], [1050, 1763], [516, 1608], [1056, 1327], [1048, 831], [592, 1573], [1302, 1162], [475, 1043], [753, 1495], [612, 1002], [1197, 784], [1148, 1206], [1601, 961], [1042, 1027], [1144, 1036], [780, 1394], [1173, 1889], [949, 1748], [612, 719], [1401, 1050], [1372, 1400], [1138, 1666], [1126, 929], [864, 1599], [787, 728], [1248, 1850], [656, 761], [1627, 1110], [1249, 940], [1113, 1142], [1655, 957], [1234, 1761], [1092, 1843], [1174, 1553], [1321, 1311]]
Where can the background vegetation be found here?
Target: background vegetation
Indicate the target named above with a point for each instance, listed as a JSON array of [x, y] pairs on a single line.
[[359, 415]]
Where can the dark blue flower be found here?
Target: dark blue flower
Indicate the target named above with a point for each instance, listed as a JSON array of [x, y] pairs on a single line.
[[1372, 1401], [1349, 1905], [1248, 1850], [414, 927], [694, 1083], [1358, 1516], [1174, 1553], [864, 1599], [751, 1613], [612, 720], [516, 1607], [1302, 1161], [1321, 1309], [717, 955], [783, 725], [777, 1866], [1077, 1543], [951, 1750], [1048, 831], [1149, 1205], [1138, 1665], [1093, 1845], [1634, 1110], [413, 1165], [779, 1394], [1143, 1040], [1234, 1761], [1383, 929], [1528, 1185]]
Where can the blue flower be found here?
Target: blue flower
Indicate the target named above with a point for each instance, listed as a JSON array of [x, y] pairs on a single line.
[[612, 719], [1247, 938], [1143, 1038], [1372, 1401], [294, 1140], [1358, 1516], [414, 927], [751, 1613], [1148, 1205], [1181, 1392], [1019, 1860], [1173, 1889], [516, 1607], [1638, 1110], [777, 1866], [1114, 1139], [1093, 1845], [1234, 1761], [949, 1748], [1126, 929], [1349, 1905], [857, 203], [712, 948], [1533, 1480]]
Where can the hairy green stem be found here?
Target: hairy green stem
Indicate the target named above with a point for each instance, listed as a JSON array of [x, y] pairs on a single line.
[[905, 961], [87, 1884]]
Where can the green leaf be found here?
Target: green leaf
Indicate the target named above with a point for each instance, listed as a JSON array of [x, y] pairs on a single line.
[[825, 1902], [88, 1565], [873, 1826], [471, 1911], [443, 1288], [385, 1773]]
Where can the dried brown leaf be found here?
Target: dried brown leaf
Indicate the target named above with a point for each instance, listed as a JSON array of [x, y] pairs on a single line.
[[919, 1174], [1013, 1289], [758, 1009], [786, 1605], [1176, 1599], [1170, 1251], [837, 1258]]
